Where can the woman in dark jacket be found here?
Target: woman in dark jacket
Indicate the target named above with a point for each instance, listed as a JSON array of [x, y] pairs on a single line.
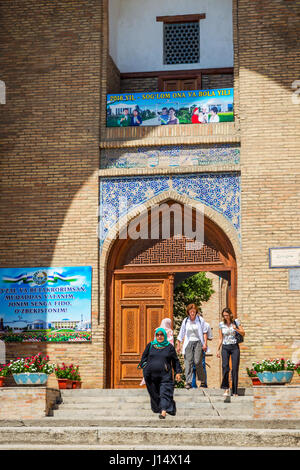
[[160, 357]]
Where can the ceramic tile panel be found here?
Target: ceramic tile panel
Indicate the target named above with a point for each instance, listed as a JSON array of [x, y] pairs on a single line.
[[118, 196], [170, 156]]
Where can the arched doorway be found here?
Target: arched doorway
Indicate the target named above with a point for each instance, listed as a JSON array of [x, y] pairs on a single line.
[[140, 277]]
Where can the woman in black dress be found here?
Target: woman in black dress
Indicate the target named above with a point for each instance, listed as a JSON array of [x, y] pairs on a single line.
[[160, 357]]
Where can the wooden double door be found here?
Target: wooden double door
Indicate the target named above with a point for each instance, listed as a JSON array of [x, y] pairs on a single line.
[[140, 303]]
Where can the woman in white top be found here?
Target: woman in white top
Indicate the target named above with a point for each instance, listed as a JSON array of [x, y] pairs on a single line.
[[214, 115], [228, 340], [194, 332]]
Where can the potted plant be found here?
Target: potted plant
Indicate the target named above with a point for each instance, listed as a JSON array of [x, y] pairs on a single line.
[[253, 376], [4, 372], [75, 377], [68, 376], [62, 374], [297, 368], [32, 370], [276, 371]]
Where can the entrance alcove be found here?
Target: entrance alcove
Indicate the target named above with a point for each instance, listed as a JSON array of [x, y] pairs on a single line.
[[140, 280]]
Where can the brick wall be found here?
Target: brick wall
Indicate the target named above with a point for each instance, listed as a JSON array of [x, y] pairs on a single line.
[[139, 85], [270, 164], [113, 77], [212, 81], [51, 65], [27, 402], [276, 401]]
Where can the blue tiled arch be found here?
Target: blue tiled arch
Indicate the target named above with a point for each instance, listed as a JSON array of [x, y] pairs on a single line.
[[219, 191]]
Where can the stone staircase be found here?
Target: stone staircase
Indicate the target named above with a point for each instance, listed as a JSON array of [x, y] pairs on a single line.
[[122, 419], [122, 403]]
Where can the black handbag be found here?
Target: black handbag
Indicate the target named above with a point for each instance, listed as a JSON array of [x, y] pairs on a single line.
[[239, 337], [142, 365]]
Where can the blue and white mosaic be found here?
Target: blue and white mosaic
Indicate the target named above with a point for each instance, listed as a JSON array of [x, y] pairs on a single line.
[[219, 191], [170, 156]]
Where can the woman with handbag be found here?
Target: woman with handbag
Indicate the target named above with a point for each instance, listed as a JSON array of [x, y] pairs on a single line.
[[158, 361], [231, 333], [166, 324]]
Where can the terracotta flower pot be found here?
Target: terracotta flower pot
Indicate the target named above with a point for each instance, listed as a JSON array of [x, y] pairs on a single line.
[[64, 383], [255, 381], [76, 384], [2, 380]]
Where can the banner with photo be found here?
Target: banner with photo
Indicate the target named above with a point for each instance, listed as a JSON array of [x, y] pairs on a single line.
[[45, 304], [170, 108]]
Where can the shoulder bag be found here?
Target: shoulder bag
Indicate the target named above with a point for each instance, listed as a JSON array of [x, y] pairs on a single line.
[[238, 336]]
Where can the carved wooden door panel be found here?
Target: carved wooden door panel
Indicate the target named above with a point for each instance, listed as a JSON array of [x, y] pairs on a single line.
[[175, 84], [140, 303]]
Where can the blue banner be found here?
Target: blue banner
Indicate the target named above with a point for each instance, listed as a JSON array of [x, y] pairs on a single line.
[[45, 304], [170, 108]]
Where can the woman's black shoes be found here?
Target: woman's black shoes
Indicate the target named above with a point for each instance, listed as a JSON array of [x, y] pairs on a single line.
[[188, 386]]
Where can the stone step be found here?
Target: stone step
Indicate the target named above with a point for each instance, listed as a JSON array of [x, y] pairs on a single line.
[[169, 422], [156, 435], [86, 414], [182, 413], [108, 401], [125, 406], [143, 392], [131, 407]]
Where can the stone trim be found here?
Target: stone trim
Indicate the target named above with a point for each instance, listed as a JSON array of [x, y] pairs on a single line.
[[110, 172], [175, 140]]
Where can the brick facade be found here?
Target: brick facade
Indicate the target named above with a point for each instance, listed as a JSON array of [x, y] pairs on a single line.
[[113, 77], [27, 402], [51, 65], [276, 402], [268, 65], [56, 69]]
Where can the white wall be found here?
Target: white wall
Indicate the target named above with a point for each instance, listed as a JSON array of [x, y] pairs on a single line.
[[114, 16], [136, 38]]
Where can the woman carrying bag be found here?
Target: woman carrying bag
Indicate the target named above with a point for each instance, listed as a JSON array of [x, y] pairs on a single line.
[[231, 333], [193, 335], [166, 324], [158, 361]]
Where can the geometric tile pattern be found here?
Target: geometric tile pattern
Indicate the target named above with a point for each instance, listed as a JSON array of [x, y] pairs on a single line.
[[170, 156], [118, 195]]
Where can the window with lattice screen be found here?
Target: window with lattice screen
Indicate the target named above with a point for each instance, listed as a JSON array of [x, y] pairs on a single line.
[[182, 43]]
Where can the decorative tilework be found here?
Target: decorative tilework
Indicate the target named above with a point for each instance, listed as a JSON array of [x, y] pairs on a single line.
[[170, 156], [219, 191], [169, 251]]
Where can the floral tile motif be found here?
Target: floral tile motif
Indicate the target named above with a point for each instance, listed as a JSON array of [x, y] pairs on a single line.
[[220, 191], [170, 156]]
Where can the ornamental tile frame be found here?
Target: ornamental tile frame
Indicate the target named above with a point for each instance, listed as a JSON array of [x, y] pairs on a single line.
[[219, 192], [170, 156]]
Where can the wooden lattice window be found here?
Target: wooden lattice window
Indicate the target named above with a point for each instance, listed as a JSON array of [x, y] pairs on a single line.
[[181, 39]]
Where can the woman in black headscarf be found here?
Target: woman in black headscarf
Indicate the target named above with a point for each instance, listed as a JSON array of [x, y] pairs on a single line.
[[158, 360]]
